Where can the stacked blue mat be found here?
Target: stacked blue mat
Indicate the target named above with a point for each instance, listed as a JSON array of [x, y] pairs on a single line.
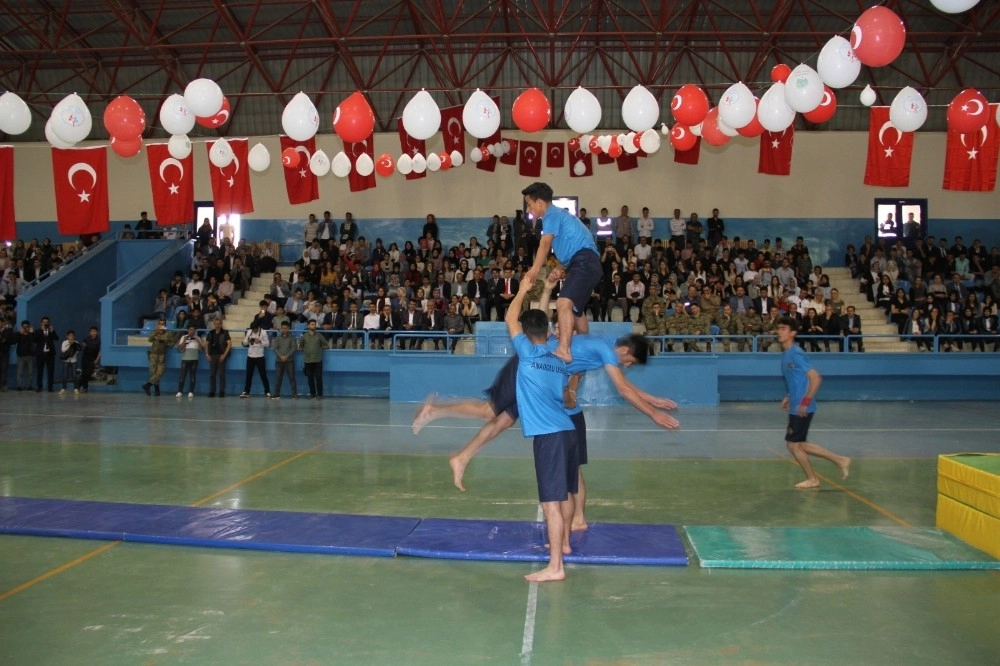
[[372, 536]]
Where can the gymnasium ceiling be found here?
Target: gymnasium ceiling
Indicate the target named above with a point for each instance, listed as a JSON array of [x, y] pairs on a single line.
[[262, 52]]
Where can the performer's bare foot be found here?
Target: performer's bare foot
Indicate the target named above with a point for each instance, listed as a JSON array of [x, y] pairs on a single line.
[[423, 415], [579, 526], [808, 484], [845, 467], [546, 575], [457, 471], [563, 353]]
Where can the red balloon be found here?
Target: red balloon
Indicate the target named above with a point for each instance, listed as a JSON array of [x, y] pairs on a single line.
[[826, 108], [126, 148], [219, 119], [574, 144], [385, 165], [710, 131], [968, 112], [682, 139], [124, 118], [445, 160], [689, 105], [531, 111], [780, 73], [753, 128], [595, 145], [637, 140], [615, 149], [878, 36], [354, 119], [290, 158]]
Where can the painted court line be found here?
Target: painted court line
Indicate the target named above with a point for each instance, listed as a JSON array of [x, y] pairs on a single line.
[[528, 637]]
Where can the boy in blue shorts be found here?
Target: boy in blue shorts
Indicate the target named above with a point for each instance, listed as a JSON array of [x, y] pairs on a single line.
[[802, 381], [574, 247], [541, 378]]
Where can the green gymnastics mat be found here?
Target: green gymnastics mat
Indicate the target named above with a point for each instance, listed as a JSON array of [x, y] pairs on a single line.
[[833, 548]]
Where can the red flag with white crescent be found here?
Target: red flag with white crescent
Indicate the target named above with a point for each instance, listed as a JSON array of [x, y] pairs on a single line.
[[510, 157], [357, 182], [410, 146], [301, 183], [628, 161], [81, 184], [890, 151], [689, 156], [555, 155], [970, 160], [775, 157], [231, 184], [172, 183], [452, 129], [530, 158], [585, 159], [8, 231]]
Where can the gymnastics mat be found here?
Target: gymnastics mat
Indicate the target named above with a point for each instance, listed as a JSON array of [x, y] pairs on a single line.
[[602, 543], [968, 501], [833, 548], [372, 536]]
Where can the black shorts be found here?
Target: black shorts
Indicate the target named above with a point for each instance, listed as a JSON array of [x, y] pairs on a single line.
[[556, 467], [502, 393], [583, 272], [581, 437], [798, 428]]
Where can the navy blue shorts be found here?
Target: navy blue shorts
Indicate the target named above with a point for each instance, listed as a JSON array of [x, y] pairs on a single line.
[[583, 272], [557, 470], [798, 428], [581, 437], [502, 393]]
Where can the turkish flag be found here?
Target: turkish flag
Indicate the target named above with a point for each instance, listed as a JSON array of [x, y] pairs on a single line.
[[604, 158], [452, 129], [689, 156], [628, 161], [8, 231], [776, 152], [970, 160], [301, 183], [172, 182], [81, 183], [489, 163], [355, 150], [511, 157], [889, 151], [530, 158], [584, 158], [411, 147], [555, 155], [231, 185]]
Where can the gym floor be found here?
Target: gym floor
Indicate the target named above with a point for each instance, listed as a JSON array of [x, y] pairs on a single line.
[[66, 601]]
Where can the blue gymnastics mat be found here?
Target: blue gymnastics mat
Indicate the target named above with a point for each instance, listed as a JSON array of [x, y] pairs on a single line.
[[907, 548], [603, 543], [372, 536]]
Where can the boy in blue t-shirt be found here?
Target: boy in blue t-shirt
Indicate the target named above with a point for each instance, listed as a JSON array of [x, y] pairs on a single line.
[[802, 381], [541, 377]]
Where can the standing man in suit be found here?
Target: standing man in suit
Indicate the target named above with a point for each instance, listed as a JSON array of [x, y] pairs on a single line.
[[46, 340], [850, 324], [478, 290]]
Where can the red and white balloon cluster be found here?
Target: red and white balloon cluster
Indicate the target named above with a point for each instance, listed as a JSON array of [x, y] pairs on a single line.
[[203, 103], [69, 123]]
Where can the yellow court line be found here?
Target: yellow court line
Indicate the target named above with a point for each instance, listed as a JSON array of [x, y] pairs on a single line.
[[97, 551], [867, 502]]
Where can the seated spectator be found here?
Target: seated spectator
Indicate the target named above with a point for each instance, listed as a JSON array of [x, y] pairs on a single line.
[[372, 322], [988, 326], [470, 313], [884, 292], [950, 329], [933, 322], [969, 325], [161, 305]]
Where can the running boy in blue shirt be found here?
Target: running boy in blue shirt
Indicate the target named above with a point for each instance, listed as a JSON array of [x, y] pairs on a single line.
[[541, 377]]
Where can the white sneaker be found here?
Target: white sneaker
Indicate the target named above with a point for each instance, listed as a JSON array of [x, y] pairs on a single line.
[[244, 395], [268, 395], [190, 395], [179, 394], [76, 391], [61, 391]]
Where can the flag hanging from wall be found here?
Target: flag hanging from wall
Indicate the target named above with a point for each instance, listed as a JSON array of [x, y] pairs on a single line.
[[689, 156], [555, 155], [890, 151], [775, 157], [80, 176], [301, 184], [410, 146], [172, 183], [231, 185], [357, 182], [970, 160], [452, 130], [8, 228], [530, 158], [581, 164]]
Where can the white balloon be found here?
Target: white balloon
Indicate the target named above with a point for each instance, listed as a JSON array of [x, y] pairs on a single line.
[[203, 97], [803, 89], [419, 163], [175, 116], [504, 147], [259, 158], [433, 162], [640, 111], [579, 168], [736, 107], [71, 119], [404, 164], [582, 111], [773, 111], [456, 159], [15, 116], [481, 116], [696, 129], [220, 154], [341, 165], [179, 146], [998, 115], [954, 6], [319, 164], [496, 149], [476, 155], [650, 141], [908, 110], [585, 142], [867, 96], [621, 139], [421, 116], [300, 119], [725, 128], [628, 144], [604, 142], [665, 129], [364, 165], [838, 66], [54, 140]]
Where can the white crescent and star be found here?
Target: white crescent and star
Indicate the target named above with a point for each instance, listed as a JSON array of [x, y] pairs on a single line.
[[681, 132], [881, 133], [457, 131], [171, 161], [676, 102], [73, 170], [827, 98], [532, 150], [856, 35], [385, 163], [231, 180]]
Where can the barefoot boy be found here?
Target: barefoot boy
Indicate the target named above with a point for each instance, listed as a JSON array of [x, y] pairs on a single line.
[[802, 381]]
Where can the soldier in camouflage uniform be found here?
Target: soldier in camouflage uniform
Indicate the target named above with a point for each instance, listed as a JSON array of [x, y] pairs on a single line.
[[654, 297], [676, 324], [159, 341], [727, 323], [655, 323], [770, 329], [700, 323], [749, 324]]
